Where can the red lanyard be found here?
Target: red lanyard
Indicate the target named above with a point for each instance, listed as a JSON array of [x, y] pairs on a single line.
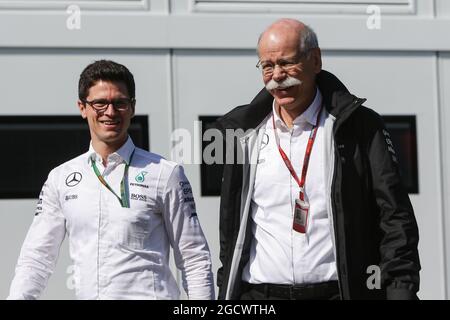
[[312, 137]]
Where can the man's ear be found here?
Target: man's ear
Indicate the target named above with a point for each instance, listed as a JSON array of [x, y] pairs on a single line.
[[133, 107], [82, 107], [316, 56]]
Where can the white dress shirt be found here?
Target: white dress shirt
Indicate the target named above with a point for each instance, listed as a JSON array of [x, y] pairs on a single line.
[[118, 253], [278, 253]]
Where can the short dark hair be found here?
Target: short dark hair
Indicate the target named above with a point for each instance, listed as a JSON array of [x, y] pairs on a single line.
[[106, 70]]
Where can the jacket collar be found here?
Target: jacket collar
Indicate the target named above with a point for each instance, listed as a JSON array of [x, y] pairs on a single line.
[[337, 101]]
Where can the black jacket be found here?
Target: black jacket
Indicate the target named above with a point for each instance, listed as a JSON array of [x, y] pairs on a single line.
[[374, 222]]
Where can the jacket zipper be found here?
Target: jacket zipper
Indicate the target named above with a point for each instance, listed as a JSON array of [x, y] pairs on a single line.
[[356, 102], [335, 222]]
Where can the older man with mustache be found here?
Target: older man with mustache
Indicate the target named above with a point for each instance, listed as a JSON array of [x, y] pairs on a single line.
[[305, 214]]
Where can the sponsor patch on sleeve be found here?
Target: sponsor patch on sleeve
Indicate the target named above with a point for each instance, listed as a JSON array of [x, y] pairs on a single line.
[[390, 146], [39, 203], [188, 200]]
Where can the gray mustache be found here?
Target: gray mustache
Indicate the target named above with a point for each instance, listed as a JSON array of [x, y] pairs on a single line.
[[286, 83]]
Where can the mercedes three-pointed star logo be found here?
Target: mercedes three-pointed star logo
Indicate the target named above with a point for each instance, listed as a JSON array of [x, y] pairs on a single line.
[[73, 179]]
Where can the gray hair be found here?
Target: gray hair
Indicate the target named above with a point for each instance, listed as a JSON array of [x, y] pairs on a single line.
[[308, 41]]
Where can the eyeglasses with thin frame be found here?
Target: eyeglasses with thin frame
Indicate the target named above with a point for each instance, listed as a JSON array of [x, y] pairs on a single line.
[[287, 65], [100, 105]]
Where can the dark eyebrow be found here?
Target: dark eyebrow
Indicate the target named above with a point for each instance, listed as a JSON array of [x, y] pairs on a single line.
[[100, 99], [116, 99]]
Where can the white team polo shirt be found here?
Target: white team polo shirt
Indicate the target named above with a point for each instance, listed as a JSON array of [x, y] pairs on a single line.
[[118, 253]]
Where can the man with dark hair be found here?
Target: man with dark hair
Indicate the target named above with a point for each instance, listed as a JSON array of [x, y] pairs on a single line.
[[313, 207], [121, 207]]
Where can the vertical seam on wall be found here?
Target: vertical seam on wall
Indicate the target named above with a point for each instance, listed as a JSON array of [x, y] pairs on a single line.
[[172, 125], [172, 84], [172, 78], [172, 89], [443, 180]]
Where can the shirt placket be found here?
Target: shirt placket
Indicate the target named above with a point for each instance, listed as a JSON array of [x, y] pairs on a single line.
[[106, 229], [298, 149], [285, 136]]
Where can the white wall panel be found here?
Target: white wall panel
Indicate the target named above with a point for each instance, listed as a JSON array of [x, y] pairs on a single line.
[[444, 112], [139, 5], [210, 83], [15, 219], [443, 8], [186, 29], [25, 69], [45, 82], [305, 6]]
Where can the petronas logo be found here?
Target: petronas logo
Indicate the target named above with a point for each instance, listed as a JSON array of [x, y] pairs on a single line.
[[141, 176]]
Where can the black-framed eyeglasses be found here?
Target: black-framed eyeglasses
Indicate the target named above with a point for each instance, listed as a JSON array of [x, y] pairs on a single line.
[[100, 105]]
